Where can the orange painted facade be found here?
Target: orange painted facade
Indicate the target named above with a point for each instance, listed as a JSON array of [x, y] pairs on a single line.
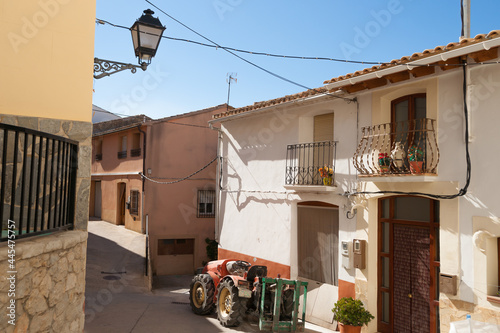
[[115, 177], [273, 268], [177, 217], [177, 147]]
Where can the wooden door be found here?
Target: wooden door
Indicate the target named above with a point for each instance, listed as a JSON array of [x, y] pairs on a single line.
[[408, 265], [97, 199]]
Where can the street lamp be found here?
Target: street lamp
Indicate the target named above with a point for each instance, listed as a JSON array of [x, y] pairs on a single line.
[[146, 35]]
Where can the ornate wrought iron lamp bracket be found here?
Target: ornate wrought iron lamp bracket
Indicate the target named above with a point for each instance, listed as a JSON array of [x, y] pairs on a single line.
[[108, 67]]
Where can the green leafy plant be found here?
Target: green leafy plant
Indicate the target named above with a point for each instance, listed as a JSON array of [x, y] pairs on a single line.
[[415, 154], [212, 248], [349, 311]]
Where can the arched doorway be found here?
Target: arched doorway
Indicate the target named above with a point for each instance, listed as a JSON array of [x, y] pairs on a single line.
[[408, 264]]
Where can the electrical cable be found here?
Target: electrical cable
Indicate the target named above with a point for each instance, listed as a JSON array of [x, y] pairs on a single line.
[[463, 190], [362, 62], [245, 60], [178, 180]]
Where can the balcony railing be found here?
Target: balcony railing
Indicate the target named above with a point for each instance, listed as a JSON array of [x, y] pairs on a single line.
[[304, 160], [37, 184], [135, 152], [122, 154], [399, 148]]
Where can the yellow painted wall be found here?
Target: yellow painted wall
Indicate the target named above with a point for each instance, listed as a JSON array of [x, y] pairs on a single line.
[[47, 58]]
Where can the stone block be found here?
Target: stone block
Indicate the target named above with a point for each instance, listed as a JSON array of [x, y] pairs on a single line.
[[84, 161], [22, 323], [70, 281], [38, 276], [23, 287], [41, 322], [56, 294], [80, 130], [32, 248], [8, 119], [53, 245], [52, 126], [36, 303], [24, 267], [28, 122], [45, 286]]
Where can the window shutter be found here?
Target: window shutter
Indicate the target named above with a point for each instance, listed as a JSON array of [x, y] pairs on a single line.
[[323, 127]]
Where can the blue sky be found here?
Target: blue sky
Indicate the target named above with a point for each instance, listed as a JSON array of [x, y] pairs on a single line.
[[184, 77]]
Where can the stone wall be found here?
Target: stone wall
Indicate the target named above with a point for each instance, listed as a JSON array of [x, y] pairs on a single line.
[[451, 310], [50, 283], [74, 130], [50, 278]]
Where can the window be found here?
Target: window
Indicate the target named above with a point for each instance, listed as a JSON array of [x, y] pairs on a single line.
[[122, 149], [136, 145], [206, 203], [98, 150], [175, 246], [134, 202]]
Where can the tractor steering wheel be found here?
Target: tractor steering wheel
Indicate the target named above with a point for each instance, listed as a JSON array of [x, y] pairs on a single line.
[[242, 263]]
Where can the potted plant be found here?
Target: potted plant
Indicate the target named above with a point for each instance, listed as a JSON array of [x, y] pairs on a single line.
[[416, 159], [350, 315], [326, 174], [384, 162]]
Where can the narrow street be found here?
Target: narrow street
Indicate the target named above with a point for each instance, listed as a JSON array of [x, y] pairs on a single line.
[[117, 298]]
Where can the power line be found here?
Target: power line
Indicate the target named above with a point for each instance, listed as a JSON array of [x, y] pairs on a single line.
[[283, 56], [178, 180]]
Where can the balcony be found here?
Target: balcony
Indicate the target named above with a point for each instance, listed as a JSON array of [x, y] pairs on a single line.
[[303, 163], [135, 152], [122, 154], [37, 182], [407, 148]]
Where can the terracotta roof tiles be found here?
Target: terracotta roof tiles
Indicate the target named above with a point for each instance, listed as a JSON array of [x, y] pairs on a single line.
[[405, 59]]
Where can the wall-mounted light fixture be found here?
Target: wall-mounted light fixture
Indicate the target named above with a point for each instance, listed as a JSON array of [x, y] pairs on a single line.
[[146, 35]]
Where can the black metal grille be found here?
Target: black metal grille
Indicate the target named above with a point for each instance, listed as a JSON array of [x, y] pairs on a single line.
[[206, 203], [135, 152], [38, 181], [122, 154], [304, 160]]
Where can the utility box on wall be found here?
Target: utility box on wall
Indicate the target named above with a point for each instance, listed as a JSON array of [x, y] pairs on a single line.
[[359, 249], [346, 254], [448, 284]]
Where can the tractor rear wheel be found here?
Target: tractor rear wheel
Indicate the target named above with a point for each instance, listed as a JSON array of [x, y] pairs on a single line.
[[201, 294], [230, 308], [287, 304]]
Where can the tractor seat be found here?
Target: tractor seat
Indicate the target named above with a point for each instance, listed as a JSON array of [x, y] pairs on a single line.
[[256, 271]]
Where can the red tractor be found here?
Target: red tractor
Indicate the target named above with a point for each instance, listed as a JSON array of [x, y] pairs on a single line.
[[235, 288]]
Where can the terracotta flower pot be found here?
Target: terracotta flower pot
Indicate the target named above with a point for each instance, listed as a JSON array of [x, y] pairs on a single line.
[[349, 329], [416, 166]]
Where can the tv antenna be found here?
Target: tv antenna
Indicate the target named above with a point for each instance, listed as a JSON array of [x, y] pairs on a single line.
[[230, 77]]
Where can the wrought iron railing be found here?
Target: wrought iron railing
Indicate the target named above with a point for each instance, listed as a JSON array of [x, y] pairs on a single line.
[[38, 182], [304, 161], [122, 154], [135, 152], [399, 148]]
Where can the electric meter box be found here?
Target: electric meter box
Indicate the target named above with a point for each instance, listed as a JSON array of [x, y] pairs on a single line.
[[345, 250], [359, 249]]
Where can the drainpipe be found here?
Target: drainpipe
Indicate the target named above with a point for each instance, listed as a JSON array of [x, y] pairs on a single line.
[[146, 270], [143, 171], [218, 179]]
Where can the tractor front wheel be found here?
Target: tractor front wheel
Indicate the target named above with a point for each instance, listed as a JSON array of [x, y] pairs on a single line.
[[230, 308], [201, 294]]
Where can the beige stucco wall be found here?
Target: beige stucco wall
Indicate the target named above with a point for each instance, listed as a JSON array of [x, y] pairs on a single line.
[[47, 56], [49, 290]]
